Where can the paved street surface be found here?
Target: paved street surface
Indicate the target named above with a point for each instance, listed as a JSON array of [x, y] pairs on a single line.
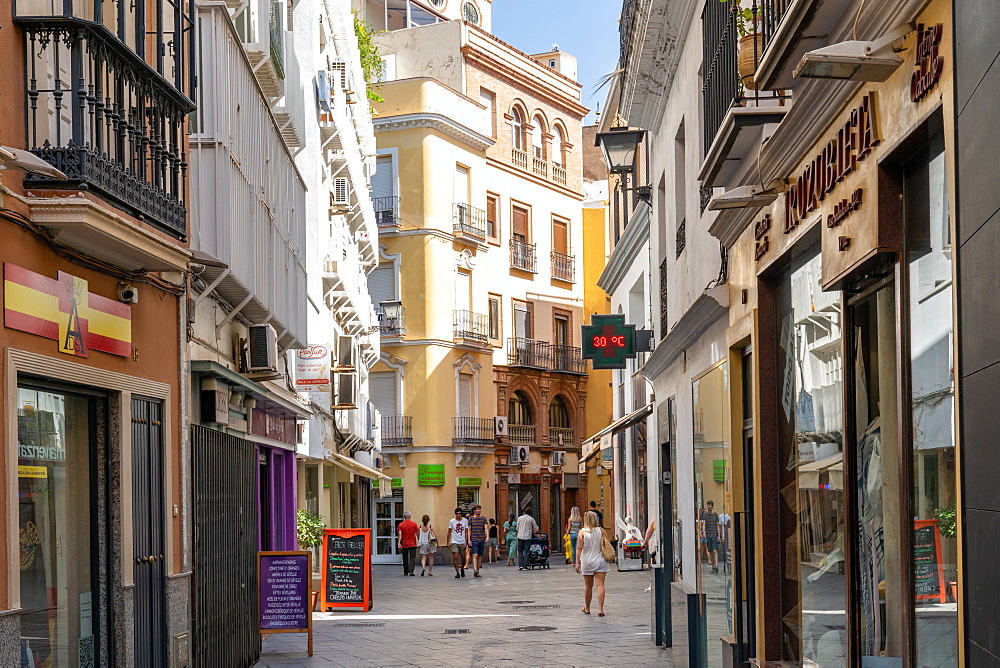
[[410, 622]]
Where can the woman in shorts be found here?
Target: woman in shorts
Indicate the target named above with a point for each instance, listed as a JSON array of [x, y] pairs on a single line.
[[493, 543], [427, 545]]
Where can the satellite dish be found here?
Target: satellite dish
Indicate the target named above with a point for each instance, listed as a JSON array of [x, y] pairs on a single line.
[[12, 158]]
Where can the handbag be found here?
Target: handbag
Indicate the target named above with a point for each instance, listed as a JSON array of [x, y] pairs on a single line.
[[607, 550], [433, 537]]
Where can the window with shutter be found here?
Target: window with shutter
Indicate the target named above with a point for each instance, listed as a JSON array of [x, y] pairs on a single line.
[[461, 185], [560, 236], [382, 284], [494, 317], [492, 218], [522, 320], [487, 99], [465, 395], [382, 181], [385, 391], [519, 224], [463, 291]]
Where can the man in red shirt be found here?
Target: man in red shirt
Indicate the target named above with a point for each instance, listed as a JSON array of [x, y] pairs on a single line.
[[407, 532]]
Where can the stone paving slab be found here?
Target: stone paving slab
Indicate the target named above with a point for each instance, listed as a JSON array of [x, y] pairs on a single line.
[[415, 612]]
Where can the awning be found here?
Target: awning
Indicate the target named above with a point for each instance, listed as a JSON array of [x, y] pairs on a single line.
[[593, 444], [356, 467], [810, 474]]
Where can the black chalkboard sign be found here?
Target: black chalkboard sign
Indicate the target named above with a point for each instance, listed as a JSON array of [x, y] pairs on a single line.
[[347, 569], [928, 571]]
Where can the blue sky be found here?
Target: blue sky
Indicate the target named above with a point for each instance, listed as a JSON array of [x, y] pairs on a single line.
[[587, 29]]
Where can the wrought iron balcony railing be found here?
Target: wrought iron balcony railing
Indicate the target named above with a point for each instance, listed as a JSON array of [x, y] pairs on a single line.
[[521, 434], [522, 255], [559, 174], [390, 326], [472, 431], [386, 211], [470, 220], [567, 359], [397, 430], [102, 116], [527, 352], [562, 437], [563, 267], [771, 14], [721, 88], [473, 326]]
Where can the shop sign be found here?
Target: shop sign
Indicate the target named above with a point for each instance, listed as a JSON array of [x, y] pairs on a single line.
[[556, 479], [513, 478], [397, 483], [312, 369], [32, 472], [470, 482], [607, 458], [760, 235], [929, 62], [430, 475], [63, 310], [608, 341], [49, 452], [719, 470], [531, 478]]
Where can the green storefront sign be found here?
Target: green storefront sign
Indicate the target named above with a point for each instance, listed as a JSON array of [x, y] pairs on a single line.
[[430, 475], [470, 482], [719, 470], [396, 483]]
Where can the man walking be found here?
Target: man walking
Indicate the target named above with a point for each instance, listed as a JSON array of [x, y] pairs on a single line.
[[458, 538], [407, 532], [600, 515], [526, 526], [710, 534], [477, 538]]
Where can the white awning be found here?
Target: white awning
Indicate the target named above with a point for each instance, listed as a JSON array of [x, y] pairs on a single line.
[[593, 444], [809, 474], [356, 467]]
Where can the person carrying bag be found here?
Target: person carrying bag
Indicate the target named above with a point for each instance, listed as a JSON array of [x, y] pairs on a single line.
[[591, 562]]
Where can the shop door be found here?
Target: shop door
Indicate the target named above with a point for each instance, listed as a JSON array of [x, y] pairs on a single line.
[[148, 530], [388, 515]]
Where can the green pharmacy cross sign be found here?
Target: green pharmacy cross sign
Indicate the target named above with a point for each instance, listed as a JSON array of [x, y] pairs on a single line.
[[608, 341]]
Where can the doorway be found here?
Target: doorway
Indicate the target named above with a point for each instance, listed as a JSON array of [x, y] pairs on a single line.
[[388, 515]]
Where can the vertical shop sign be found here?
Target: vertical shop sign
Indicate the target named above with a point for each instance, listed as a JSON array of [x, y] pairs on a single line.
[[312, 369]]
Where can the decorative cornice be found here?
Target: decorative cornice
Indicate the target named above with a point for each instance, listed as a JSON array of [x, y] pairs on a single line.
[[705, 311], [439, 122], [628, 248]]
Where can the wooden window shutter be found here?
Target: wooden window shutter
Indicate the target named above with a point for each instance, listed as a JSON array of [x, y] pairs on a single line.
[[519, 224], [560, 236], [492, 229]]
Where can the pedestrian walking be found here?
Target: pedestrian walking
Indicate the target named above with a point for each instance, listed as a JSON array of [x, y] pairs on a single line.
[[477, 539], [600, 515], [590, 562], [526, 526], [510, 526], [573, 526], [458, 539], [407, 542], [709, 534], [493, 543], [427, 545]]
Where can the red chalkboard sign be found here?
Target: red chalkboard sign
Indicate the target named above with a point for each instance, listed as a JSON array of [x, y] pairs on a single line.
[[928, 571], [347, 569]]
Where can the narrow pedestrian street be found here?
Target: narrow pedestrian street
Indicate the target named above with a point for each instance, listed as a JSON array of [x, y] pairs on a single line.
[[505, 618]]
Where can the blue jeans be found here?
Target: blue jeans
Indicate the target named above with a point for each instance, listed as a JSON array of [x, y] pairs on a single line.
[[572, 542]]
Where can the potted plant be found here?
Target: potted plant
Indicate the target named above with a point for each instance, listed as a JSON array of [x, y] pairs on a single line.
[[947, 518], [309, 532], [751, 43]]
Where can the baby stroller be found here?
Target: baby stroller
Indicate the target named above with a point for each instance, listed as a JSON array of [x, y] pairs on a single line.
[[538, 550]]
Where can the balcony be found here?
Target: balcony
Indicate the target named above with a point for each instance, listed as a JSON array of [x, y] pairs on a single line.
[[397, 430], [566, 359], [563, 267], [522, 255], [528, 352], [99, 114], [386, 211], [519, 158], [470, 221], [472, 431], [562, 437], [521, 434], [559, 174], [390, 327], [471, 326], [540, 167]]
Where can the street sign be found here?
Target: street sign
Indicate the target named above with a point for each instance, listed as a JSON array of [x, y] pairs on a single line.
[[608, 341]]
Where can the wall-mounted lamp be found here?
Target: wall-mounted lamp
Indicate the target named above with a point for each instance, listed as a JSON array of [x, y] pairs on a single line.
[[620, 148], [391, 308], [745, 196], [855, 60]]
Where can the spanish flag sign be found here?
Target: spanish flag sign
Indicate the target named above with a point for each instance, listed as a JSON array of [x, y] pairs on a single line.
[[63, 310]]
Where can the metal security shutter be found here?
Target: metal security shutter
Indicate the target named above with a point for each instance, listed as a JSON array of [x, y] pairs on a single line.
[[382, 284], [465, 395], [384, 387], [382, 181]]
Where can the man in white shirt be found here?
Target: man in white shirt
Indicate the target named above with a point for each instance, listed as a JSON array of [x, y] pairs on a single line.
[[458, 538], [526, 526]]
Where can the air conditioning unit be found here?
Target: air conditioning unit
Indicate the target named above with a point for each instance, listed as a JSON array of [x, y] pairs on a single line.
[[323, 91], [338, 75], [559, 458], [262, 354], [346, 391], [341, 194], [345, 354], [518, 454]]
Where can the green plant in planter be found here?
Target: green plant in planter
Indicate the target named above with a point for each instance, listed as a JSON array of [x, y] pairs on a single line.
[[371, 60], [745, 17], [308, 529], [946, 518]]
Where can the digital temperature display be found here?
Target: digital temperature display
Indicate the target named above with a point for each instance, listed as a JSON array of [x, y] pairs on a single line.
[[612, 341], [608, 341]]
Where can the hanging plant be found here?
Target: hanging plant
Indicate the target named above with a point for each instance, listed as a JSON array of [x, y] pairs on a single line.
[[308, 529], [371, 60]]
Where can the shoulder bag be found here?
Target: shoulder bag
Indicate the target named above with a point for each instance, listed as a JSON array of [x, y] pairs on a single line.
[[432, 538], [607, 550]]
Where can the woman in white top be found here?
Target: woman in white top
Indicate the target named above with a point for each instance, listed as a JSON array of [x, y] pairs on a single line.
[[426, 547], [590, 562]]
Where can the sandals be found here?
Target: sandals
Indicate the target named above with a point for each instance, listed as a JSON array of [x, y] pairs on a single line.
[[585, 611], [600, 614]]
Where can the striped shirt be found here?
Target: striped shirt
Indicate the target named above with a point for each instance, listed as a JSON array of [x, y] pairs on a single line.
[[477, 528], [711, 521]]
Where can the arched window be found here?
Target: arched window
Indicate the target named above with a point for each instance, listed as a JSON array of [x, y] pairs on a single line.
[[517, 129], [518, 409], [558, 413], [557, 146], [537, 149]]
